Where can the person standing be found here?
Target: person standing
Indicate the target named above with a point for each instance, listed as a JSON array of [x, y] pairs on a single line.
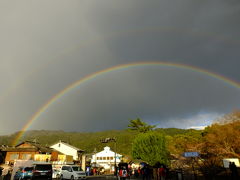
[[94, 171], [9, 174], [4, 173], [234, 171], [136, 173], [1, 169], [145, 173], [162, 173]]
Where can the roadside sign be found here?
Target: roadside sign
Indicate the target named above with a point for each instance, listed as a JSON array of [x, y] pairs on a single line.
[[190, 154]]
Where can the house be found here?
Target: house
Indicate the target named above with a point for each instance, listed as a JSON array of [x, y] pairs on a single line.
[[106, 159], [24, 151], [68, 149]]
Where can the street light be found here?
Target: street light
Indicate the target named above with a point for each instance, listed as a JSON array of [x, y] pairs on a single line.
[[106, 140], [95, 153]]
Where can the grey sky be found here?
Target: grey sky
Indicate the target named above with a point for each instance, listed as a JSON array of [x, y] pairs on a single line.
[[47, 45]]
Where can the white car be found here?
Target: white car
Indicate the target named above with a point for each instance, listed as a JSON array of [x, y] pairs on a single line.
[[72, 172]]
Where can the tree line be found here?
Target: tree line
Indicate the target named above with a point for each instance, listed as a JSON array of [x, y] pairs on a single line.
[[216, 142], [155, 145]]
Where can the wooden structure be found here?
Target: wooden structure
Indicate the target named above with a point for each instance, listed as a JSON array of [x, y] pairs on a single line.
[[24, 151]]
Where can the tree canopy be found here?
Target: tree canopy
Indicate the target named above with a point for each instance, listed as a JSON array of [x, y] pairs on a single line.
[[224, 139], [151, 148], [140, 126]]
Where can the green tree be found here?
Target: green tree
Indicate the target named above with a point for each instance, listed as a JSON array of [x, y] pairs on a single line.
[[140, 126], [151, 148]]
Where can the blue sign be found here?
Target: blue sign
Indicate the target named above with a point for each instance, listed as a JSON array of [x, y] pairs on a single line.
[[191, 154]]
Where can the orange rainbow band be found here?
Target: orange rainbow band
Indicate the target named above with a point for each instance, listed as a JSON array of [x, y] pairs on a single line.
[[111, 69]]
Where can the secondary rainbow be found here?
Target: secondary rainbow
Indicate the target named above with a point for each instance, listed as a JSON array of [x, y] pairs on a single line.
[[111, 69]]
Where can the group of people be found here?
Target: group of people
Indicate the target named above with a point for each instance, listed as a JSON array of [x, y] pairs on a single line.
[[94, 171], [145, 172]]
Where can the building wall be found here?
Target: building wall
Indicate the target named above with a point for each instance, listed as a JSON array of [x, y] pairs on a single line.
[[63, 148], [42, 157], [61, 159], [11, 156], [106, 158]]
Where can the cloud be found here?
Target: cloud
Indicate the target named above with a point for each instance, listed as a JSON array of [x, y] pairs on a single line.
[[48, 45], [197, 127], [195, 120]]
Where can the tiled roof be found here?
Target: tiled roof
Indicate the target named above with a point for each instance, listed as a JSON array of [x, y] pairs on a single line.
[[36, 148]]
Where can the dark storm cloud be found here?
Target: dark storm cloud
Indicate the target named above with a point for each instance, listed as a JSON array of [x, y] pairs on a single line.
[[205, 34], [155, 94], [47, 45]]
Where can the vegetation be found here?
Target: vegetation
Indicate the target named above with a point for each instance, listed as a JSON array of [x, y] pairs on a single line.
[[151, 148], [90, 141], [220, 140], [140, 126], [151, 144]]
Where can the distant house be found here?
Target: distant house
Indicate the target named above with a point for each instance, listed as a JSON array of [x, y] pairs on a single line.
[[106, 159], [24, 151], [68, 149]]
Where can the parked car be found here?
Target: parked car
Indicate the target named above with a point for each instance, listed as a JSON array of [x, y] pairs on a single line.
[[72, 172], [42, 171], [23, 173]]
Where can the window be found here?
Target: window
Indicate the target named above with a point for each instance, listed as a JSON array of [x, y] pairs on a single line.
[[100, 158], [111, 158], [108, 158], [104, 158], [14, 156], [20, 169], [26, 156], [77, 168], [64, 168], [28, 168], [43, 167]]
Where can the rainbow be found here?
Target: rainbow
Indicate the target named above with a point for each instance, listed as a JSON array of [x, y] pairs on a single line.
[[124, 33], [42, 109]]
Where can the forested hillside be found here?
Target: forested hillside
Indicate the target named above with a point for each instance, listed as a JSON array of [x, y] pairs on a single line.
[[90, 141]]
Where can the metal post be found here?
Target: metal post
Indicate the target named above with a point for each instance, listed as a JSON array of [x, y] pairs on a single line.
[[194, 173], [115, 158]]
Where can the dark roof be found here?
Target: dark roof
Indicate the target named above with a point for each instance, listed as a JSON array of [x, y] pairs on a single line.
[[28, 142], [36, 148], [41, 150]]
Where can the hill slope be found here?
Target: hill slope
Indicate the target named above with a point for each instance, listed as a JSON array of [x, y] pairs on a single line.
[[89, 141]]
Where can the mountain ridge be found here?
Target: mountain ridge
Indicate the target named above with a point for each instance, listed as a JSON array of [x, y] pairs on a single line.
[[89, 141]]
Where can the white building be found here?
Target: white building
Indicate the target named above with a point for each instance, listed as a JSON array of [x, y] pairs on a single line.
[[67, 149], [106, 158]]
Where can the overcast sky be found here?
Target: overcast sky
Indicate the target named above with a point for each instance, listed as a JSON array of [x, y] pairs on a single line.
[[47, 45]]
